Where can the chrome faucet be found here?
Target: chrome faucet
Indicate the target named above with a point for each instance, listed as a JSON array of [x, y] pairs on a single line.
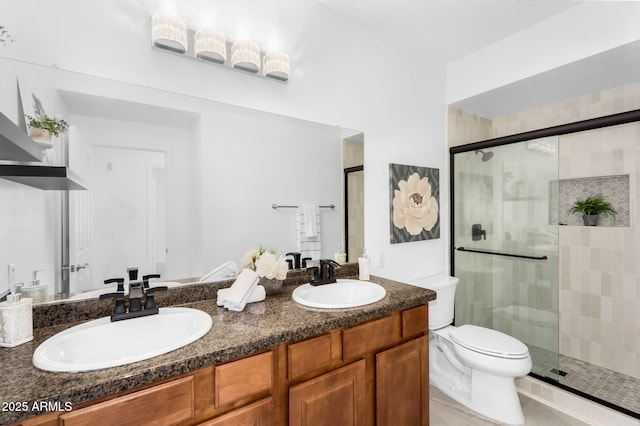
[[325, 273]]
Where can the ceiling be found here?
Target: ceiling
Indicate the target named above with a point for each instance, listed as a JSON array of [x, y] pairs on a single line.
[[450, 29], [607, 70]]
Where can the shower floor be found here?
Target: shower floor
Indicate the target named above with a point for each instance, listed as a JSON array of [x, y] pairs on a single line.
[[617, 390]]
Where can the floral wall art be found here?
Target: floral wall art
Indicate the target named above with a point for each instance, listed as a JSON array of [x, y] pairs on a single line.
[[415, 211]]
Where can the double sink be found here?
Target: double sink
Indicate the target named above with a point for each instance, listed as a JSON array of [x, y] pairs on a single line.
[[101, 343]]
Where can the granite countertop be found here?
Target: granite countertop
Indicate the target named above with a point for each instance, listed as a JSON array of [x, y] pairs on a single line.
[[261, 326]]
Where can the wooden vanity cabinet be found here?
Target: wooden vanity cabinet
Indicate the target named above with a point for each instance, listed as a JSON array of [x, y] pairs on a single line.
[[370, 373]]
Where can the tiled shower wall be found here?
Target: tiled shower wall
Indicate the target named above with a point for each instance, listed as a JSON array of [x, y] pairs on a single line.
[[599, 278]]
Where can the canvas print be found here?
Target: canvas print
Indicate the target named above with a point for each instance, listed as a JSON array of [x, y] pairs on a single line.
[[414, 203]]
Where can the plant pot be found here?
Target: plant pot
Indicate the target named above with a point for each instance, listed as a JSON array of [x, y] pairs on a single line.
[[42, 137], [271, 286], [590, 220]]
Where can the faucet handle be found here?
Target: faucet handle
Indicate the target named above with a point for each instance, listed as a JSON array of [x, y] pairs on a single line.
[[149, 301], [296, 259], [119, 297], [317, 275], [119, 281], [146, 278]]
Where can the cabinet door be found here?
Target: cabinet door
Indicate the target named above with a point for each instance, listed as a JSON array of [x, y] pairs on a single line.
[[256, 414], [336, 398], [402, 384]]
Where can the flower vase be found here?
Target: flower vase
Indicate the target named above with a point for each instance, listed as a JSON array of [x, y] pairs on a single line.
[[271, 286], [42, 137]]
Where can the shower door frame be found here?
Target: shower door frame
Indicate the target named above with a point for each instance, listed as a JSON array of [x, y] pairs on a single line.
[[563, 129]]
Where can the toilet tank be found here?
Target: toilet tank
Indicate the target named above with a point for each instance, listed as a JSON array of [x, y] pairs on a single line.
[[441, 309]]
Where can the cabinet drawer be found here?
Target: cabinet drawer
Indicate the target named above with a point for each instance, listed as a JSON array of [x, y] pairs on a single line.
[[414, 321], [370, 336], [258, 413], [309, 355], [243, 378], [168, 404]]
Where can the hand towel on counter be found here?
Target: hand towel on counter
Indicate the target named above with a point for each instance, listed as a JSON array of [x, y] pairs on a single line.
[[238, 294], [309, 246], [227, 270], [258, 294]]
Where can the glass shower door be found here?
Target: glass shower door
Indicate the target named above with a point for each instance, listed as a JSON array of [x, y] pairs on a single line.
[[505, 239]]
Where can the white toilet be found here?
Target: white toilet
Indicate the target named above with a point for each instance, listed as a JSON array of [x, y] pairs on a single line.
[[474, 365]]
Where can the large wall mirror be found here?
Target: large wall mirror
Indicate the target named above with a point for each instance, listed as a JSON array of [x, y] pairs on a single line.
[[178, 185]]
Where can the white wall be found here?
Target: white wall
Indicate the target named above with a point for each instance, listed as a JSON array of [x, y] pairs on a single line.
[[252, 160], [589, 28], [177, 145], [343, 74]]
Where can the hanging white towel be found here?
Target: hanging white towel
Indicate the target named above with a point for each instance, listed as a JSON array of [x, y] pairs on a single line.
[[308, 233], [238, 294], [258, 294], [309, 214]]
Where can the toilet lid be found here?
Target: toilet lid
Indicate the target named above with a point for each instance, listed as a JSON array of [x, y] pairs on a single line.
[[487, 341]]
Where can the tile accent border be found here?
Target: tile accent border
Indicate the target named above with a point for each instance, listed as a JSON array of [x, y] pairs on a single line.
[[581, 408]]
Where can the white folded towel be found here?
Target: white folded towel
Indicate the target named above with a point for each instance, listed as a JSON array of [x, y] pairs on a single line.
[[309, 216], [238, 294], [257, 295], [225, 271]]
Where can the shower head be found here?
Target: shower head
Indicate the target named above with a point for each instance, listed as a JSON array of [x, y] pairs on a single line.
[[486, 156]]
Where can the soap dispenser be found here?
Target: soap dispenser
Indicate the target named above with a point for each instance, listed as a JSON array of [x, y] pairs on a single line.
[[340, 256], [364, 263], [16, 319], [34, 290]]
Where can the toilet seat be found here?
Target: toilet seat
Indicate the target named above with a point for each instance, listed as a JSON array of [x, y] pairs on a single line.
[[488, 342]]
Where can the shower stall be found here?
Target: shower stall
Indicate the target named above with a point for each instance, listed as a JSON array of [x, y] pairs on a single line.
[[530, 270], [506, 244]]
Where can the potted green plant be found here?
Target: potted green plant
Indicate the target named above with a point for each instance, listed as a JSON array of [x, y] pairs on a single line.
[[592, 207], [41, 127]]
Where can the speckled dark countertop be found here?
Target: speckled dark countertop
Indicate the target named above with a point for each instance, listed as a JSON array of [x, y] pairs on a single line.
[[260, 326]]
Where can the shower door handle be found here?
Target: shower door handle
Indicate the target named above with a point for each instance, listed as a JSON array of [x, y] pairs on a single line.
[[495, 253]]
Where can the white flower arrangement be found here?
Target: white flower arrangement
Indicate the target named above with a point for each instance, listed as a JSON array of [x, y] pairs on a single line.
[[266, 263], [270, 266]]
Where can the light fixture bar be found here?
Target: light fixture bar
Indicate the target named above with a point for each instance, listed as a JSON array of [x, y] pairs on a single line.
[[208, 47]]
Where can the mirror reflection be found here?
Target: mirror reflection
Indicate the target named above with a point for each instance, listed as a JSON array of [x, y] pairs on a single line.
[[178, 185]]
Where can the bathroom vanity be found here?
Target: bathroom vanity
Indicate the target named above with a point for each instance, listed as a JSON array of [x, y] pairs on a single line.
[[276, 362]]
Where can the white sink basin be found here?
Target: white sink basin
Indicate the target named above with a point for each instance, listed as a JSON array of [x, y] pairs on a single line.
[[101, 343], [343, 294]]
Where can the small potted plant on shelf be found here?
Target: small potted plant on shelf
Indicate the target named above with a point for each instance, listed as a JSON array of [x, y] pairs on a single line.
[[41, 127], [592, 207]]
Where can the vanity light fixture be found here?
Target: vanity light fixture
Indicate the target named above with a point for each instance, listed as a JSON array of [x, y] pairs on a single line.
[[245, 55], [276, 65], [210, 45], [169, 32]]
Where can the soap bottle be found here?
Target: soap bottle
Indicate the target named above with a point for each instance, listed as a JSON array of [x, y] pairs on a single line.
[[364, 264], [340, 256], [16, 319]]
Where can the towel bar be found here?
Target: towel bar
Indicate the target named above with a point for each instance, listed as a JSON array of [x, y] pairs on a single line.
[[277, 206]]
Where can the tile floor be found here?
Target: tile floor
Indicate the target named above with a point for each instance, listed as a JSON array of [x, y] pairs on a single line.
[[444, 411], [608, 385]]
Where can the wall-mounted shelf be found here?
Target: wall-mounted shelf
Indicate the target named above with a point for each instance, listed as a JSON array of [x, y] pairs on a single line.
[[43, 177], [15, 144]]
